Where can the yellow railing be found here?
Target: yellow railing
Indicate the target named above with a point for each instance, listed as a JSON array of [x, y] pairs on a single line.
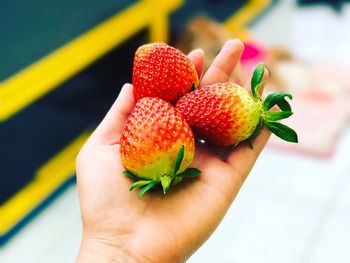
[[40, 78], [43, 76], [239, 21]]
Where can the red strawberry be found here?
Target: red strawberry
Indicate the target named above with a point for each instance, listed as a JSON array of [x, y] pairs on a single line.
[[162, 71], [157, 145], [225, 113]]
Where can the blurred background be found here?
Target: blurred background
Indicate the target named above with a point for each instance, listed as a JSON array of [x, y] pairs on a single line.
[[62, 64]]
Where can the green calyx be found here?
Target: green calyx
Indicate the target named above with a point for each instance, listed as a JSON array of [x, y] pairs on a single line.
[[269, 118], [166, 181]]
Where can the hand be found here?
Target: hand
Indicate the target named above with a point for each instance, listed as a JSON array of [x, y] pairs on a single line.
[[117, 226]]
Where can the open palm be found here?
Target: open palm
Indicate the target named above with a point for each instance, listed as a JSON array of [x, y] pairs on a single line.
[[119, 226]]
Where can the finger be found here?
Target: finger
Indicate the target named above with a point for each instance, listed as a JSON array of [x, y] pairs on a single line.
[[197, 58], [224, 63], [239, 75], [110, 129], [243, 157]]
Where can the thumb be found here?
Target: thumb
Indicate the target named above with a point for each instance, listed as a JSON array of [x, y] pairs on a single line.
[[197, 58], [110, 129]]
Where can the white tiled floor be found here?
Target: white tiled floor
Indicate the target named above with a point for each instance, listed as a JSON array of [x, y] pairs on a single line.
[[298, 215], [331, 238], [53, 236], [291, 209]]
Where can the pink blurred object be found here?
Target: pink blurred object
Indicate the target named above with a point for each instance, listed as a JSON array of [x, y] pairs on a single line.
[[335, 79], [320, 104], [253, 54], [318, 119]]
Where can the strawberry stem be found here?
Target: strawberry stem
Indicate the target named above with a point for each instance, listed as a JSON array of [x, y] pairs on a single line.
[[279, 100], [277, 115], [139, 184], [130, 175], [165, 181], [270, 118], [282, 131], [178, 160], [190, 172], [177, 180], [147, 187], [256, 81]]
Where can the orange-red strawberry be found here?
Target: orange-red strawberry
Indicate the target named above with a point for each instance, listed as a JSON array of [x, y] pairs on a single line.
[[162, 71], [157, 145], [225, 113]]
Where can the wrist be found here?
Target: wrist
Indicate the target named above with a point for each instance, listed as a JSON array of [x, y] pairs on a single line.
[[100, 250]]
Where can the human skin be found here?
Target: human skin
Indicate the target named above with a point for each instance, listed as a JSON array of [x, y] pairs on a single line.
[[118, 227]]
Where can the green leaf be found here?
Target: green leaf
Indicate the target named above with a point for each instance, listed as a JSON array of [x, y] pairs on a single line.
[[256, 80], [190, 172], [277, 99], [177, 180], [139, 183], [283, 131], [130, 174], [284, 105], [166, 181], [147, 188], [277, 115], [179, 158]]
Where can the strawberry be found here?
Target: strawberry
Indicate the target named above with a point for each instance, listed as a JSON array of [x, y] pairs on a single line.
[[226, 114], [157, 145], [162, 71]]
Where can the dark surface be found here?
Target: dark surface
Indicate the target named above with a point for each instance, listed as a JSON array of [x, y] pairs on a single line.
[[34, 135], [335, 4], [31, 29]]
